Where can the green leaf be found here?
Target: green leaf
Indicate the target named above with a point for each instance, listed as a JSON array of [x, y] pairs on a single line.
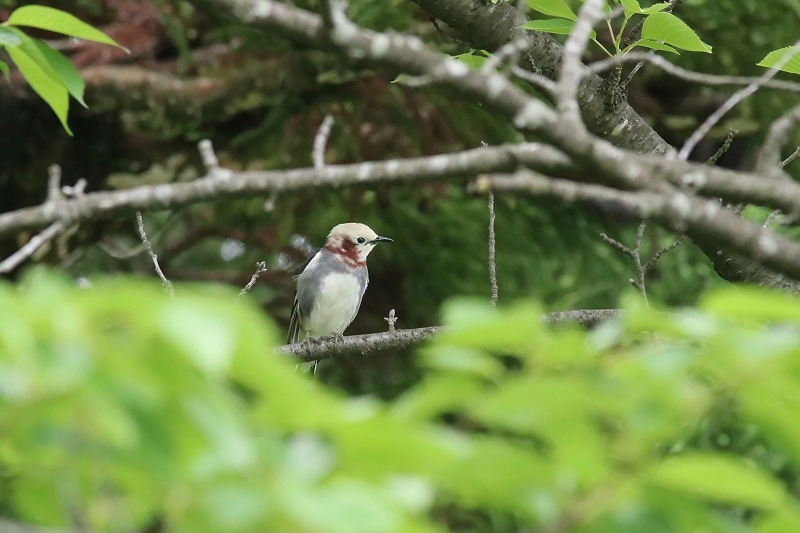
[[773, 58], [472, 60], [554, 8], [656, 46], [51, 91], [48, 18], [655, 8], [55, 65], [65, 70], [673, 31], [558, 26], [718, 478], [631, 8], [8, 37], [4, 70]]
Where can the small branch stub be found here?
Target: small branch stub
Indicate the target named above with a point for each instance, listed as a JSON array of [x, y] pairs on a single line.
[[391, 319], [321, 141], [208, 156]]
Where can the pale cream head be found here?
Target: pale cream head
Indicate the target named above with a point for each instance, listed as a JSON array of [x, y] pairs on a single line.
[[353, 241]]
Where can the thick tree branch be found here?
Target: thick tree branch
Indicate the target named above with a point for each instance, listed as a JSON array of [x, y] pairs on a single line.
[[491, 25], [404, 339], [676, 210], [221, 182]]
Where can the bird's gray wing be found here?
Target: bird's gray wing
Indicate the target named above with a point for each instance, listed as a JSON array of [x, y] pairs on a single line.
[[294, 323], [307, 286]]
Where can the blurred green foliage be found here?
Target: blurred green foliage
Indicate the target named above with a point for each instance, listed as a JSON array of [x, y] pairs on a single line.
[[122, 408]]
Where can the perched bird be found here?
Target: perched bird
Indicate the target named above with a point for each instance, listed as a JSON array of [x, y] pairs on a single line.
[[330, 288]]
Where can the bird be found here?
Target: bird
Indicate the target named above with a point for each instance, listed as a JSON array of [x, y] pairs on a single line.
[[330, 288]]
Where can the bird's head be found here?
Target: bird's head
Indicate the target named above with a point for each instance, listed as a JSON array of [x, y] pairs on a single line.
[[352, 242]]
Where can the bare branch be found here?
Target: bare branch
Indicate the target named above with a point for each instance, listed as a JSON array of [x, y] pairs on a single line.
[[168, 288], [404, 339], [616, 244], [261, 267], [777, 136], [639, 283], [321, 141], [116, 253], [30, 247], [791, 158], [536, 80], [665, 250], [689, 75], [733, 101], [571, 67], [676, 210], [492, 253], [510, 50], [222, 183]]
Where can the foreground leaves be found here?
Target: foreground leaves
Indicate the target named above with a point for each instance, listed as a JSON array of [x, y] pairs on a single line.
[[122, 406]]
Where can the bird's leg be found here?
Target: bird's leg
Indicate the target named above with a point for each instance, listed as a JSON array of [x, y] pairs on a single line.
[[306, 344]]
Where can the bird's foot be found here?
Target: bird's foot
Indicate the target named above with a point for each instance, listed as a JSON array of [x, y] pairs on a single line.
[[307, 343], [335, 338]]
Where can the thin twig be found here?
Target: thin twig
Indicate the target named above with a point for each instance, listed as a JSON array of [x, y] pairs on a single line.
[[321, 141], [634, 70], [616, 244], [659, 254], [726, 145], [672, 69], [733, 101], [533, 78], [30, 247], [116, 253], [771, 217], [510, 51], [261, 267], [492, 247], [639, 283], [777, 136], [492, 253], [791, 157], [168, 288]]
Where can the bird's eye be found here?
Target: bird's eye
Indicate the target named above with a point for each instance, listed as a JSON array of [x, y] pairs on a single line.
[[361, 240]]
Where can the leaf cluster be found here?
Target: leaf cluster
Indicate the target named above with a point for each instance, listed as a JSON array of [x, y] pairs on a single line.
[[121, 407], [50, 74]]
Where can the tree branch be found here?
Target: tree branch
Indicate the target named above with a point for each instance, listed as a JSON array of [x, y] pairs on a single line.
[[404, 339], [676, 210], [223, 183]]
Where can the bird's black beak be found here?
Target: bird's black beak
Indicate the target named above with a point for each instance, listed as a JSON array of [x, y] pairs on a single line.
[[378, 239]]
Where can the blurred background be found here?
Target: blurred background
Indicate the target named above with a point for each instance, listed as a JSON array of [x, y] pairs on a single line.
[[194, 73]]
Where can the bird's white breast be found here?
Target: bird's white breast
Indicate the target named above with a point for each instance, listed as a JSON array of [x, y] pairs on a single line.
[[335, 305]]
